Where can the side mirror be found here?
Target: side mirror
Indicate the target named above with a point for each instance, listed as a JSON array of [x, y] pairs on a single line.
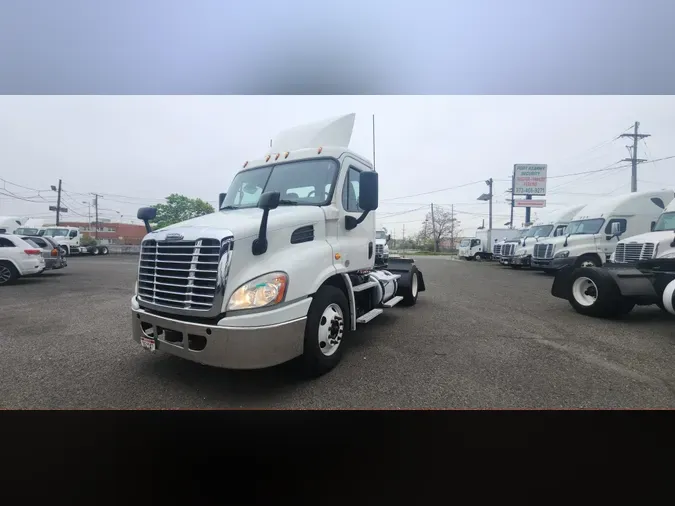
[[221, 199], [147, 214], [267, 202], [616, 229], [653, 225], [368, 191], [388, 237]]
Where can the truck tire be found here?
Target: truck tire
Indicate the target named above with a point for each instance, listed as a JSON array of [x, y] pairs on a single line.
[[104, 250], [410, 293], [477, 257], [327, 324], [8, 274], [593, 292], [64, 251], [588, 261], [94, 251]]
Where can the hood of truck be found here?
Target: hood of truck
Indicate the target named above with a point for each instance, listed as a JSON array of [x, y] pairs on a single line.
[[655, 237], [245, 223]]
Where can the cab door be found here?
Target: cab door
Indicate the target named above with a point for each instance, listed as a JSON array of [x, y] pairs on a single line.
[[356, 247]]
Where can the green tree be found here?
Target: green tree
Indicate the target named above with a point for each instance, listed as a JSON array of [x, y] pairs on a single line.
[[180, 208]]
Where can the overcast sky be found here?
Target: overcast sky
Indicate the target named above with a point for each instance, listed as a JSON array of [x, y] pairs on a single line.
[[136, 150]]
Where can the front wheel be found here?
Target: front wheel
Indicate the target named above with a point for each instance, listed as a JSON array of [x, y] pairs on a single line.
[[477, 257], [64, 251], [327, 324], [595, 293], [588, 261]]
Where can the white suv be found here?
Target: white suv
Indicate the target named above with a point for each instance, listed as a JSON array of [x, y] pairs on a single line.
[[18, 258]]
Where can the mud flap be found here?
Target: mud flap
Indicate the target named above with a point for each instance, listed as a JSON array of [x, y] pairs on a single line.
[[562, 283], [404, 267]]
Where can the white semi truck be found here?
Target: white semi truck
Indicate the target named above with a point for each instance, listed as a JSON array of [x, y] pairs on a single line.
[[69, 240], [508, 245], [382, 238], [554, 225], [486, 244], [284, 269], [592, 235], [641, 272]]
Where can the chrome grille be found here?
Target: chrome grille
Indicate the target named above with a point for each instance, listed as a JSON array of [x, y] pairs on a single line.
[[543, 251], [508, 249], [379, 249], [633, 251], [497, 249], [179, 274]]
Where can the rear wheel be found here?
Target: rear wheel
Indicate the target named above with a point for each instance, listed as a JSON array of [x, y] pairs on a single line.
[[594, 293], [327, 323], [104, 250], [410, 293], [8, 273]]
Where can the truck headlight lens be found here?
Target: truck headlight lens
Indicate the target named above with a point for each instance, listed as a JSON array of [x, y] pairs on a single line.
[[265, 290], [668, 254], [562, 254], [521, 253]]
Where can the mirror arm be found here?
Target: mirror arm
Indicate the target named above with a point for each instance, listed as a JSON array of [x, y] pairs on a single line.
[[260, 243], [351, 223]]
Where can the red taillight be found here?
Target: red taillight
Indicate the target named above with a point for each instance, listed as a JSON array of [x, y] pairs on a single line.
[[55, 252], [32, 252]]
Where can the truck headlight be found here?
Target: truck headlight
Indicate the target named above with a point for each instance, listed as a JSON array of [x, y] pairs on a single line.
[[668, 254], [521, 253], [562, 254], [136, 288], [612, 258], [265, 290]]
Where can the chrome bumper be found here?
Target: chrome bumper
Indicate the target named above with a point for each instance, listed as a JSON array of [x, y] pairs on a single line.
[[226, 347]]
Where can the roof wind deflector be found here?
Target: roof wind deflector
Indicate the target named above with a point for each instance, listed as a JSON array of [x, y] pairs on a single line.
[[658, 202]]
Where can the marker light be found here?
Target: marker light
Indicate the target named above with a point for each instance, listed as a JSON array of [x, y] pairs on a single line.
[[267, 158], [277, 157], [286, 155], [245, 164], [320, 150]]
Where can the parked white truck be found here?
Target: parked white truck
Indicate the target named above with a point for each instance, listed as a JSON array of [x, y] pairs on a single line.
[[486, 244], [508, 245], [69, 240], [382, 238], [285, 267], [592, 235], [641, 272], [554, 225]]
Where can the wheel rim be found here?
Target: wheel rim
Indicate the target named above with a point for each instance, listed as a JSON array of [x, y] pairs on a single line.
[[587, 263], [476, 256], [64, 251], [95, 252], [331, 329], [585, 291], [5, 274], [413, 285]]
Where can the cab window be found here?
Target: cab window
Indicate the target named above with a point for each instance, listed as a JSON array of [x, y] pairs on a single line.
[[350, 191], [475, 242]]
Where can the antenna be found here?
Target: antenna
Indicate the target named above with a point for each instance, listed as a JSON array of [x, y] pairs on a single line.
[[373, 142]]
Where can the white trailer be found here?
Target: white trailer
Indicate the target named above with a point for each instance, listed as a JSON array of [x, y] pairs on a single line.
[[284, 269]]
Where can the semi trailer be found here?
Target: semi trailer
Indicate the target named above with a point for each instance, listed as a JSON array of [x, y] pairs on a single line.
[[284, 269]]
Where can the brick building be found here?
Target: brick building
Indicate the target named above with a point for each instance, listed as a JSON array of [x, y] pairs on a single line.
[[111, 233]]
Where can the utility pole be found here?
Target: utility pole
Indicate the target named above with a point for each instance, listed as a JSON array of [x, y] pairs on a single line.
[[373, 142], [433, 227], [489, 183], [633, 150], [96, 210], [452, 226], [58, 205]]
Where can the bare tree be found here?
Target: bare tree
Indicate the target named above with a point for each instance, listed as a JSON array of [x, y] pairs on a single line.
[[445, 226]]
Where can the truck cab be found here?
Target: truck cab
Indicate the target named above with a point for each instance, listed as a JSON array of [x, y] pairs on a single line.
[[382, 239], [552, 226], [659, 243], [68, 238], [594, 232], [508, 245], [284, 269]]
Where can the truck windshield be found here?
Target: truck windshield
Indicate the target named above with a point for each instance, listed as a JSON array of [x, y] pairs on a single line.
[[665, 222], [540, 231], [591, 226], [56, 232], [26, 231], [380, 235], [465, 242], [306, 182]]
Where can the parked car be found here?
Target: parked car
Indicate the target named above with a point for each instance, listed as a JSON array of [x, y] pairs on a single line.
[[18, 258], [53, 255]]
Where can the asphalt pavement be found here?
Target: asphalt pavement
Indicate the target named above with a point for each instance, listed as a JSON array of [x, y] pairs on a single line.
[[481, 336]]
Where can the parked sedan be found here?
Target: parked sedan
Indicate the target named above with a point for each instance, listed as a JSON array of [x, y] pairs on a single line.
[[53, 255]]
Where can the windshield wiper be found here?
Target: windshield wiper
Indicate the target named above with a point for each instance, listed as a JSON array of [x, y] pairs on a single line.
[[228, 208], [288, 203]]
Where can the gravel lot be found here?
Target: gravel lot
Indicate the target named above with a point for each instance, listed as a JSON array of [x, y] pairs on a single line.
[[481, 336]]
